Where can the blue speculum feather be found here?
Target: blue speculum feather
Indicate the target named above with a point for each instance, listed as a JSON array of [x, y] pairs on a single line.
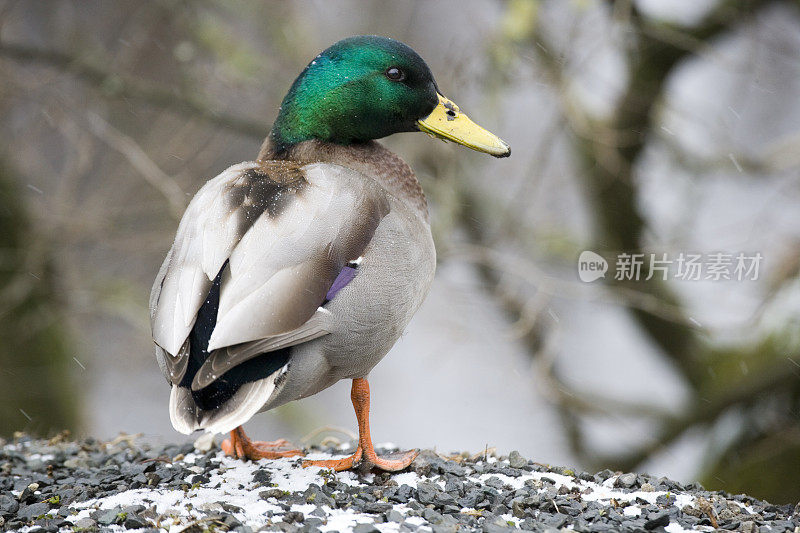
[[345, 276]]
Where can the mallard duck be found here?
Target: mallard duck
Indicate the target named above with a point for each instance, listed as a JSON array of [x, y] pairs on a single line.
[[303, 267]]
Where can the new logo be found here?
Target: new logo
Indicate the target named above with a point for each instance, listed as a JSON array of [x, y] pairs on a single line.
[[591, 266]]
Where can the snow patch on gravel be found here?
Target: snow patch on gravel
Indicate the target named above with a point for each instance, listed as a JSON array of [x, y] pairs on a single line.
[[232, 483], [120, 487]]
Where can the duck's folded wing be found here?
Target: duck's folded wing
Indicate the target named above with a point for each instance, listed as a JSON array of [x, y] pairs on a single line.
[[223, 359], [282, 233]]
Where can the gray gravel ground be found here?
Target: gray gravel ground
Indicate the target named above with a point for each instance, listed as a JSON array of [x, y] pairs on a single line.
[[60, 485]]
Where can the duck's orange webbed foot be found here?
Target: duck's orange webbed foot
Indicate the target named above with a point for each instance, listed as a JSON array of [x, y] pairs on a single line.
[[336, 464], [240, 446], [393, 465], [365, 453], [372, 459]]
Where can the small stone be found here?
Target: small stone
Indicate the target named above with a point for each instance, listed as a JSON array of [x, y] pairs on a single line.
[[293, 517], [499, 509], [748, 527], [8, 505], [133, 521], [27, 495], [76, 462], [496, 483], [603, 475], [365, 528], [557, 521], [515, 460], [667, 500], [454, 487], [451, 467], [377, 507], [13, 525], [313, 522], [230, 521], [318, 512], [108, 516], [211, 507], [427, 491], [131, 470], [272, 493], [29, 512], [625, 481], [484, 505], [518, 508], [647, 487], [471, 499], [394, 516], [262, 476], [231, 508], [133, 509], [659, 521], [442, 499], [403, 494], [692, 511], [85, 523], [496, 525], [432, 516]]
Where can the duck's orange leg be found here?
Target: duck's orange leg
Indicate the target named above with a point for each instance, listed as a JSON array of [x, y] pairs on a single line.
[[240, 445], [359, 394]]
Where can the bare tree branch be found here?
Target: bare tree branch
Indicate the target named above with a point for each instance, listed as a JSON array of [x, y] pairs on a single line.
[[139, 160], [527, 271], [704, 411], [115, 85]]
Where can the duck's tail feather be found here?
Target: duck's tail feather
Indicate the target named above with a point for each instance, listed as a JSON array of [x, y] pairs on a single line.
[[234, 397], [187, 417]]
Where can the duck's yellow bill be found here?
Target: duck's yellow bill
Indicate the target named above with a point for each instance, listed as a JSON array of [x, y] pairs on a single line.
[[448, 122]]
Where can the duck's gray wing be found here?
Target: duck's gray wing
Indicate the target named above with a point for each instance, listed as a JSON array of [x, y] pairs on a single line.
[[285, 232], [223, 359]]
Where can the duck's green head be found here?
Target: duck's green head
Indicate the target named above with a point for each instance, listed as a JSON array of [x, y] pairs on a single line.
[[368, 87]]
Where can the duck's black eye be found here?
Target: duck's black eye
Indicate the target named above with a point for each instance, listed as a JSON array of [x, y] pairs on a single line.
[[395, 74]]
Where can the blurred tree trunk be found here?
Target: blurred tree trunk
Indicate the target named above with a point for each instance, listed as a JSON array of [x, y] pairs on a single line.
[[610, 151], [34, 356], [611, 166]]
